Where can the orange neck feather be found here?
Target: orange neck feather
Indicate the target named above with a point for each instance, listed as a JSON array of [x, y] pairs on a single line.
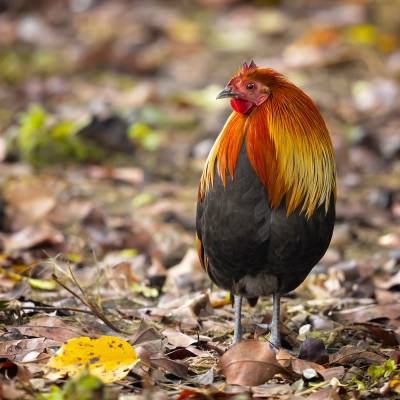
[[288, 146]]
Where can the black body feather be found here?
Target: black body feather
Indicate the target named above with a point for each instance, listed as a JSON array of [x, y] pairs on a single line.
[[254, 250]]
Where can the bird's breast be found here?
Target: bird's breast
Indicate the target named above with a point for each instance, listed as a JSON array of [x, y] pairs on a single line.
[[248, 242]]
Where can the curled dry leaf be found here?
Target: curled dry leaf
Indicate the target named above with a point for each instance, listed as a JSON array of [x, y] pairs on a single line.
[[387, 337], [145, 333], [368, 313], [348, 355], [178, 339], [18, 349], [314, 350], [175, 367], [297, 365], [250, 363], [108, 358]]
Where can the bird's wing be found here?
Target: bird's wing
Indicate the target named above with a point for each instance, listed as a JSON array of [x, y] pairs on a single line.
[[199, 244]]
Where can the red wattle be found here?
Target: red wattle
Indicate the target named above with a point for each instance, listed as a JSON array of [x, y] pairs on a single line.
[[241, 106]]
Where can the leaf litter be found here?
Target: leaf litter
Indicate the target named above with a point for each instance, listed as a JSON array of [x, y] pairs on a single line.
[[98, 241]]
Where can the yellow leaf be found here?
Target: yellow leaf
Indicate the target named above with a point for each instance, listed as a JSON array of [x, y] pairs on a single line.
[[42, 284], [217, 303], [362, 34], [108, 358], [394, 385]]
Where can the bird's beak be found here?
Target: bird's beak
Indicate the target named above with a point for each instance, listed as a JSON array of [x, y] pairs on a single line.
[[227, 92]]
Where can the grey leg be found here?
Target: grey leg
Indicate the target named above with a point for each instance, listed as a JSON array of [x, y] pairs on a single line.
[[237, 332], [275, 338]]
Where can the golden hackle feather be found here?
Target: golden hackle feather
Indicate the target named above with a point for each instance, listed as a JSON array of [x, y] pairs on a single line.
[[287, 144]]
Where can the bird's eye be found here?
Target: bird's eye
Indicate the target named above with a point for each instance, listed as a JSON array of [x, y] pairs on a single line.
[[250, 86]]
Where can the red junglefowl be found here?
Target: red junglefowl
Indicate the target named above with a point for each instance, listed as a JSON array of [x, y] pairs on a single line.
[[266, 202]]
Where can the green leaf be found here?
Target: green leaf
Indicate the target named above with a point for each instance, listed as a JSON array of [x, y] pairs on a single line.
[[144, 290], [144, 135], [360, 385]]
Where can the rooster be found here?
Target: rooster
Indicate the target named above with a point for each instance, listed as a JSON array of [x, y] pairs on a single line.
[[266, 200]]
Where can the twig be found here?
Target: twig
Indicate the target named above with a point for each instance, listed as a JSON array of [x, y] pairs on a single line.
[[217, 348], [313, 388], [52, 308], [68, 289], [92, 306]]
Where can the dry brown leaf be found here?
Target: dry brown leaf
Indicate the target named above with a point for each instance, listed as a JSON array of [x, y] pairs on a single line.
[[387, 296], [271, 390], [18, 349], [51, 328], [325, 394], [29, 200], [130, 175], [8, 391], [295, 364], [175, 367], [334, 372], [32, 236], [178, 339], [387, 337], [250, 363], [145, 333], [314, 350], [349, 355], [368, 313], [387, 283]]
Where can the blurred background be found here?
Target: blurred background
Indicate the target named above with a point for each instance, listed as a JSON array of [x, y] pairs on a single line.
[[108, 111], [107, 114]]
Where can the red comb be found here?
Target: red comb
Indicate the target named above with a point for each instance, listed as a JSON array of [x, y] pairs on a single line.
[[252, 65]]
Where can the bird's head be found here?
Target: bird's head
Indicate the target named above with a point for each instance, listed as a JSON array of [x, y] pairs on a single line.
[[245, 89]]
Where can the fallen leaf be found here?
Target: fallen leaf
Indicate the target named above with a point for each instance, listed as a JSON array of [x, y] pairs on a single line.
[[51, 328], [297, 365], [17, 349], [387, 283], [145, 333], [271, 390], [29, 200], [368, 313], [250, 363], [387, 337], [314, 350], [387, 296], [349, 355], [132, 175], [42, 284], [108, 358], [334, 372], [394, 385], [325, 394], [175, 367], [178, 339], [204, 379], [8, 391], [32, 236]]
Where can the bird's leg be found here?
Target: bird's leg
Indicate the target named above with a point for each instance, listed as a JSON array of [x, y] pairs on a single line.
[[237, 332], [275, 338]]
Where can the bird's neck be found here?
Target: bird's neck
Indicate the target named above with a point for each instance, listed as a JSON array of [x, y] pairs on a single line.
[[289, 150]]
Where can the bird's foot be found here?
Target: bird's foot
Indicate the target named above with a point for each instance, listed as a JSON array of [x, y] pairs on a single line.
[[275, 339], [236, 338]]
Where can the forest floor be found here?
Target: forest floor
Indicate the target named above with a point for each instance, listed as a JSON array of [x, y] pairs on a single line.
[[107, 113]]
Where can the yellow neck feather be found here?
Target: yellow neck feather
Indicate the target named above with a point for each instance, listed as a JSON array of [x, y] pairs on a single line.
[[288, 146]]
